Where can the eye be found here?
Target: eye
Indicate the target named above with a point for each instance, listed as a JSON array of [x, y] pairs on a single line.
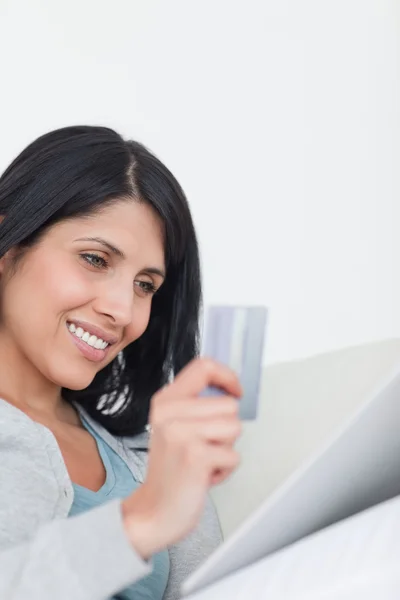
[[145, 288], [95, 260]]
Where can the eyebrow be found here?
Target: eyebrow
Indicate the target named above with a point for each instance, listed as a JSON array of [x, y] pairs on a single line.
[[119, 253]]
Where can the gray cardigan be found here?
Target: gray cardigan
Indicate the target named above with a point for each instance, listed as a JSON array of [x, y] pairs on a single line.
[[44, 555]]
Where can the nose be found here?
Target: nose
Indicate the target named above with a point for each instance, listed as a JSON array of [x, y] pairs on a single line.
[[115, 301]]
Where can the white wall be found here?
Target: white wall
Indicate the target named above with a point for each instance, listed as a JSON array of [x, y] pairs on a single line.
[[279, 117]]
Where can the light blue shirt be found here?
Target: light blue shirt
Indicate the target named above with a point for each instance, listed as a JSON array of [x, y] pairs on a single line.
[[120, 483]]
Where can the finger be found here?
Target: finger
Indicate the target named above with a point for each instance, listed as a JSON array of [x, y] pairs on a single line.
[[221, 431], [221, 475], [210, 431], [215, 431], [201, 373], [193, 408], [221, 458]]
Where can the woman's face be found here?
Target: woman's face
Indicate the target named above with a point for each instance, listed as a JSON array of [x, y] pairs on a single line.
[[89, 281]]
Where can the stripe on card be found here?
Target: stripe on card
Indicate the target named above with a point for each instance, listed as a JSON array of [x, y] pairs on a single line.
[[237, 340]]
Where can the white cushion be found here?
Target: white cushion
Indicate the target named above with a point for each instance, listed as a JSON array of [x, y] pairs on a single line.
[[302, 403]]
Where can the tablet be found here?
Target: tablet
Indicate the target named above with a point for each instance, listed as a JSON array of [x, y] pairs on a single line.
[[358, 468]]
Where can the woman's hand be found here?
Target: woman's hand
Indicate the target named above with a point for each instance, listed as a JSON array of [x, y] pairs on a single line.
[[191, 449]]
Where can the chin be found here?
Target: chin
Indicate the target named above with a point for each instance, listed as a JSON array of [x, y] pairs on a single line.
[[73, 380], [76, 386]]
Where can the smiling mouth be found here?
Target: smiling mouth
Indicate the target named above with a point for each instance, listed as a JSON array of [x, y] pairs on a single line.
[[91, 340]]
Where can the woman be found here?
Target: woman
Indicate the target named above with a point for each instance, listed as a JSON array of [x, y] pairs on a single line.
[[100, 293]]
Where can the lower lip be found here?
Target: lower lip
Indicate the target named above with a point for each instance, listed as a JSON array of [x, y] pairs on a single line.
[[89, 352]]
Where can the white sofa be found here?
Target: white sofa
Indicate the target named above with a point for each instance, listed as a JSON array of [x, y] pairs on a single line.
[[302, 403]]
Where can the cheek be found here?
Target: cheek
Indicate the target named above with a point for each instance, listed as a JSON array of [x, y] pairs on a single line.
[[37, 299], [72, 295], [139, 323], [59, 288]]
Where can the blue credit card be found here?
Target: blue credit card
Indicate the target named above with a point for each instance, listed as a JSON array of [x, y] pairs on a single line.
[[235, 336]]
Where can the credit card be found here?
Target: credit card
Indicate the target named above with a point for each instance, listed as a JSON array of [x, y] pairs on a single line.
[[235, 336]]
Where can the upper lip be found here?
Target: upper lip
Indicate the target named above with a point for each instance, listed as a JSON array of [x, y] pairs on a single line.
[[94, 330]]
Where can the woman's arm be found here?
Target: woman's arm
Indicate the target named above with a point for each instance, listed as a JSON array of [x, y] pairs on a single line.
[[91, 556], [87, 557]]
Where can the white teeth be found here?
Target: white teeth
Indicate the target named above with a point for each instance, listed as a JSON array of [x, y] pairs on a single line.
[[100, 344], [85, 336], [92, 340]]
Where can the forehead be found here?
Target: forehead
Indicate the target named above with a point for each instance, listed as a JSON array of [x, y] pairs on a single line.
[[134, 227]]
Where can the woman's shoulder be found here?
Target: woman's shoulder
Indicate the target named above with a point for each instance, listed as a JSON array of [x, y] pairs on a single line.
[[26, 446], [14, 422], [30, 475]]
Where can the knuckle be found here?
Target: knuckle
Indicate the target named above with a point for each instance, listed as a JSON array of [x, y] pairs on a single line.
[[156, 397], [232, 427], [231, 405], [206, 365], [157, 417], [235, 406], [237, 428], [155, 403], [235, 458]]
